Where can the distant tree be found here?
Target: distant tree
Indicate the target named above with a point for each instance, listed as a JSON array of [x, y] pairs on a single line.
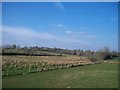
[[73, 52], [78, 52], [115, 54], [88, 53], [18, 46], [14, 46]]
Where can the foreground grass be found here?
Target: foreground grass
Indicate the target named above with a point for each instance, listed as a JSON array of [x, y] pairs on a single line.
[[91, 76]]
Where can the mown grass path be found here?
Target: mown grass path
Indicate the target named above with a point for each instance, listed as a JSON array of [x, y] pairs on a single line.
[[89, 76]]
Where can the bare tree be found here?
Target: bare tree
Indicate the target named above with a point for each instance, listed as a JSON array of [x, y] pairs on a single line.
[[104, 53]]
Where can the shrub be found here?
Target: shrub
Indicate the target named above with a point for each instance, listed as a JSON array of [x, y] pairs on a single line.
[[104, 53], [93, 58]]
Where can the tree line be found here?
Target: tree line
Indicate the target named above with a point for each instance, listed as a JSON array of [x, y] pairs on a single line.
[[103, 53]]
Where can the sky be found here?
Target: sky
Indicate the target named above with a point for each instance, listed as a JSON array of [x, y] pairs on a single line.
[[71, 25]]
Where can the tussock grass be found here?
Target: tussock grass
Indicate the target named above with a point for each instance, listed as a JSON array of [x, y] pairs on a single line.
[[14, 65]]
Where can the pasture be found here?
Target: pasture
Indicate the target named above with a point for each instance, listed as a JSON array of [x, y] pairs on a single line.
[[104, 75]]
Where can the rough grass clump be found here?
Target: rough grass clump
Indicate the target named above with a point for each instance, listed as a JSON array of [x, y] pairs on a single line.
[[15, 65]]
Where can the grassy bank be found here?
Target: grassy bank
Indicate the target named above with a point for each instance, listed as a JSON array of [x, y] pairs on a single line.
[[16, 65], [90, 76]]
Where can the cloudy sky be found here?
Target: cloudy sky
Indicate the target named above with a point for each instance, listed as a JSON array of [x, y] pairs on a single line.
[[61, 24]]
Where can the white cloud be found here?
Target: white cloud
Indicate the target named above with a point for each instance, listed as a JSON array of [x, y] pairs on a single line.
[[25, 33], [26, 36], [82, 32], [59, 5], [84, 28], [68, 32], [59, 25], [81, 35], [87, 35]]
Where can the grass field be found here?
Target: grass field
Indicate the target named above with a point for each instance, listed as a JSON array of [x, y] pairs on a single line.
[[114, 60], [103, 75]]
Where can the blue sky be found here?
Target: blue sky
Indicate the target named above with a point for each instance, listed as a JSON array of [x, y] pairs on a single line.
[[72, 25]]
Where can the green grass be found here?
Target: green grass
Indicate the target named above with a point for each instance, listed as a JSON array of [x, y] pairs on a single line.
[[114, 59], [13, 51], [89, 76]]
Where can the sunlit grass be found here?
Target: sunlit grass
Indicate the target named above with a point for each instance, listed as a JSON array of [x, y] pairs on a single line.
[[90, 76]]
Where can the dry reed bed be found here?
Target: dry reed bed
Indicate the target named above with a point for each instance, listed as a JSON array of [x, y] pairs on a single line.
[[45, 59], [13, 65]]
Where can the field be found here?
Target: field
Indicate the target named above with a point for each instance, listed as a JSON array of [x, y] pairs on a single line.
[[89, 76], [23, 52], [103, 75]]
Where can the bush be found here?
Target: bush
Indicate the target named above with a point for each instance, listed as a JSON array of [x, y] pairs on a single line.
[[104, 53], [93, 58], [107, 57], [104, 56]]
